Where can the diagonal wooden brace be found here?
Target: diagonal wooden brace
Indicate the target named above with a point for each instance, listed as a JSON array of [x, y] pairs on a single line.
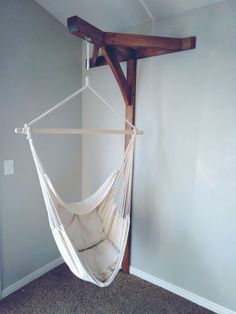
[[114, 64]]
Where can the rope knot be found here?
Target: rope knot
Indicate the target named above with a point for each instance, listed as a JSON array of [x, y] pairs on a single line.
[[27, 131]]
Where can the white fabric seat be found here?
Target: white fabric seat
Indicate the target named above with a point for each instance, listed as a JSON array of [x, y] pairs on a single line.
[[101, 259], [91, 235], [84, 231]]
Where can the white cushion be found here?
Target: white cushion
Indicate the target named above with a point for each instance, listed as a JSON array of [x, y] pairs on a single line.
[[101, 259], [84, 231]]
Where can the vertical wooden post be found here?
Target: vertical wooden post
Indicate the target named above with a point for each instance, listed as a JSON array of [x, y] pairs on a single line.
[[130, 116], [131, 80]]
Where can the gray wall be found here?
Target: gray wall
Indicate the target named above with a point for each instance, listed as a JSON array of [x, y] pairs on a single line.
[[185, 178], [40, 64], [185, 174]]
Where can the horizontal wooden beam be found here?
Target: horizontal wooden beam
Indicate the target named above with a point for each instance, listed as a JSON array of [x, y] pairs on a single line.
[[123, 42], [152, 52], [141, 53], [85, 30], [189, 43], [145, 53], [136, 41]]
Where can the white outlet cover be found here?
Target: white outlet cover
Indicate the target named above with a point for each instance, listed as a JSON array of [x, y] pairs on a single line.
[[8, 167]]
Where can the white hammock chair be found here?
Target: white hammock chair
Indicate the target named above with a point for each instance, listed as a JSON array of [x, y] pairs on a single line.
[[91, 235]]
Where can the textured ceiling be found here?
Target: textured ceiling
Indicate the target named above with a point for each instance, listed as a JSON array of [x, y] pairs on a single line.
[[113, 15]]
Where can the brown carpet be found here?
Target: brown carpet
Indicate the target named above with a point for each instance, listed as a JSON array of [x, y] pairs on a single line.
[[59, 291]]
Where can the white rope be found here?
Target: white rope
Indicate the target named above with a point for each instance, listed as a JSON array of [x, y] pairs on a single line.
[[87, 85], [65, 100], [61, 103], [113, 109]]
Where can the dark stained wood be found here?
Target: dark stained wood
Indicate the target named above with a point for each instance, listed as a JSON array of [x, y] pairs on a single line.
[[126, 46], [125, 52], [83, 29], [133, 40], [130, 116], [102, 61], [114, 64], [188, 43], [141, 53], [131, 79], [94, 55]]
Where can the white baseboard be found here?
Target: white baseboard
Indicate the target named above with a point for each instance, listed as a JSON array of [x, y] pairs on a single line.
[[27, 279], [181, 292]]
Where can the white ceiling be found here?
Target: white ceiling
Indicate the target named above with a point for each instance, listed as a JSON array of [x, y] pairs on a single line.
[[114, 15]]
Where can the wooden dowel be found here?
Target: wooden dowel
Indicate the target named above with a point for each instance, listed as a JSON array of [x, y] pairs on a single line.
[[78, 131]]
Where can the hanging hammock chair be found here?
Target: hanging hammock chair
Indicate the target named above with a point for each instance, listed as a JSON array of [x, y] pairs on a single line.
[[91, 235]]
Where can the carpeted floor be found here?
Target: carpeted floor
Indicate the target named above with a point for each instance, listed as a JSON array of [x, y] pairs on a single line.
[[59, 291]]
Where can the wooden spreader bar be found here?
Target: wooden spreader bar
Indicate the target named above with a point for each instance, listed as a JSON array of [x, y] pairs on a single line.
[[78, 131], [119, 47]]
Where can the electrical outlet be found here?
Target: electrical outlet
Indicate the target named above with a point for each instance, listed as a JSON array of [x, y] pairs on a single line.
[[8, 167]]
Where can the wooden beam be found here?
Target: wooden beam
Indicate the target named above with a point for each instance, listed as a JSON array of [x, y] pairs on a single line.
[[126, 52], [130, 116], [143, 52], [140, 53], [102, 61], [114, 64], [83, 29], [188, 43], [122, 54], [121, 41], [146, 52], [136, 41], [94, 55], [131, 79]]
